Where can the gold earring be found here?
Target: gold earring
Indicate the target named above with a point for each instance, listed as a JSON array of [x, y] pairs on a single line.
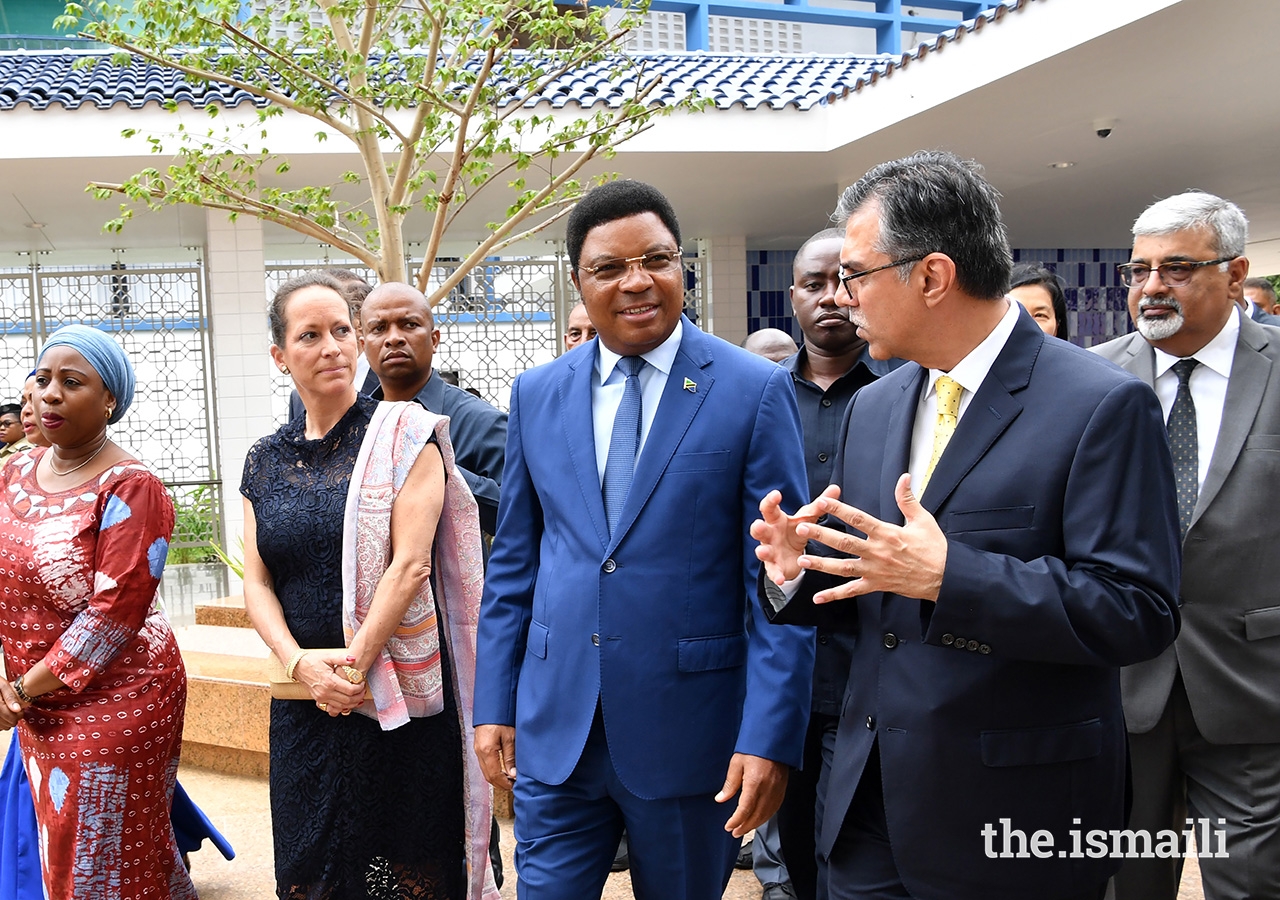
[[109, 412], [284, 370]]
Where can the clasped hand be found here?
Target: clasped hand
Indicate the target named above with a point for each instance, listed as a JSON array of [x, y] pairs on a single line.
[[907, 559], [321, 673]]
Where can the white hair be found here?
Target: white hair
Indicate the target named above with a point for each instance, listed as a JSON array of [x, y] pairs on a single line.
[[1197, 210]]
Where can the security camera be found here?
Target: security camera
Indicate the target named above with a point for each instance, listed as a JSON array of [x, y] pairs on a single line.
[[1103, 127]]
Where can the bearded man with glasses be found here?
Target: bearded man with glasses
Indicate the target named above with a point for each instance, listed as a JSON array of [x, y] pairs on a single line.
[[625, 674], [1204, 717]]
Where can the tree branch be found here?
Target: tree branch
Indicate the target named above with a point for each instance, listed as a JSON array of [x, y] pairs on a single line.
[[320, 114], [459, 158]]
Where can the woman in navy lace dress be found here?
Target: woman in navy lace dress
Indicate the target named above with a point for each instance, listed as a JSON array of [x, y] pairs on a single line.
[[357, 812]]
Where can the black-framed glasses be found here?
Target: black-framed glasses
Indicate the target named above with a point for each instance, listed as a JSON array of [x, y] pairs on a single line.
[[656, 263], [1172, 274], [847, 280]]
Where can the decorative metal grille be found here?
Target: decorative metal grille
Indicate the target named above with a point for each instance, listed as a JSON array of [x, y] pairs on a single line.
[[160, 317], [17, 349]]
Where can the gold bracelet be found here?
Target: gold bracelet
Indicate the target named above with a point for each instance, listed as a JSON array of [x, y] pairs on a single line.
[[21, 692], [293, 664]]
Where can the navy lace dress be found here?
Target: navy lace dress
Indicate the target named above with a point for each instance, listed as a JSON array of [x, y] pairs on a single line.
[[356, 812]]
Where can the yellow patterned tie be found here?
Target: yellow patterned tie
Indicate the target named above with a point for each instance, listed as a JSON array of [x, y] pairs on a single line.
[[948, 416]]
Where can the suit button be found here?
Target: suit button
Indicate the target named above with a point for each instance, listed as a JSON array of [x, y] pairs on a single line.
[[984, 649], [871, 723], [826, 401], [948, 640], [610, 565], [890, 641], [972, 645], [822, 457], [823, 639], [595, 639], [959, 645]]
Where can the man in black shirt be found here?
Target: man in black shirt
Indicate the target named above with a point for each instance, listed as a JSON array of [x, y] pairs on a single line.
[[827, 371]]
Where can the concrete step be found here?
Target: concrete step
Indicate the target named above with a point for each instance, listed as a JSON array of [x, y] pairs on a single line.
[[223, 611], [228, 699]]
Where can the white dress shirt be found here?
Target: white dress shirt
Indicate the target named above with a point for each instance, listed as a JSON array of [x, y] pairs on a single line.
[[1208, 384], [969, 373], [607, 387]]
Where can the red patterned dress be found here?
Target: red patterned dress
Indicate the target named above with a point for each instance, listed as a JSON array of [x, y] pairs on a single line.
[[79, 571]]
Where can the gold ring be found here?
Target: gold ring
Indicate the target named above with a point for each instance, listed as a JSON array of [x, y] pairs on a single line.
[[324, 707], [346, 712]]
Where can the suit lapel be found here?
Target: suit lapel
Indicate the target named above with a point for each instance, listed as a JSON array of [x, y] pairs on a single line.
[[574, 392], [675, 413], [1250, 371], [897, 447], [992, 410]]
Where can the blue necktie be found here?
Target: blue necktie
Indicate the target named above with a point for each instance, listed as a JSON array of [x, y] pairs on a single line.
[[624, 442], [1184, 443]]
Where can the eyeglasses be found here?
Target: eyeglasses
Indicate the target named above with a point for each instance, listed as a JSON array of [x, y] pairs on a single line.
[[656, 263], [847, 280], [1172, 274]]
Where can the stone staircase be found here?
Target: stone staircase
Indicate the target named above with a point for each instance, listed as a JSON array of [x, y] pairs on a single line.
[[228, 698]]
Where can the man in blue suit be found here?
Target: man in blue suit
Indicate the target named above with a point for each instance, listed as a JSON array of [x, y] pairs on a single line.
[[624, 667], [981, 738]]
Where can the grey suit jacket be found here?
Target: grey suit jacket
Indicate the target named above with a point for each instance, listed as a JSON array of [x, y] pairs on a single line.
[[1229, 646]]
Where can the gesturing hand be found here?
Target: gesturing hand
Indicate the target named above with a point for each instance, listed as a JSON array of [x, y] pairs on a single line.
[[907, 559], [780, 543]]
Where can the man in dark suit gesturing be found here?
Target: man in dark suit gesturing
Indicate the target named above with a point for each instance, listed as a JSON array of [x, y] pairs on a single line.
[[981, 729], [624, 667], [1204, 718]]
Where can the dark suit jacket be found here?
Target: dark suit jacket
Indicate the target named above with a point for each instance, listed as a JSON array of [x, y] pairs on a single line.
[[1263, 318], [477, 430], [1002, 700], [1229, 648], [657, 625]]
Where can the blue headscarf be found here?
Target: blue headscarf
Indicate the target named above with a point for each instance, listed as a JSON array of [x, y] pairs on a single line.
[[106, 357]]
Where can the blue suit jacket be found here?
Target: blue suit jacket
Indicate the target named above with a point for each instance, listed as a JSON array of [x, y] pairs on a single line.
[[657, 624], [1002, 700]]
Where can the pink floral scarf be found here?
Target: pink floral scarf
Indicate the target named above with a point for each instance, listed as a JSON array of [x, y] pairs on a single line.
[[405, 680]]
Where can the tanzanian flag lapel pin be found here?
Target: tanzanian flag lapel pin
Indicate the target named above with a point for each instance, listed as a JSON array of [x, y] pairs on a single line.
[[690, 386]]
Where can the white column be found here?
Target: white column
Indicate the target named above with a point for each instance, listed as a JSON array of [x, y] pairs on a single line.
[[241, 365], [727, 288]]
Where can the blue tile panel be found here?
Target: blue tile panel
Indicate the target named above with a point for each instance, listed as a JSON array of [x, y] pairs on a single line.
[[1097, 304], [769, 291]]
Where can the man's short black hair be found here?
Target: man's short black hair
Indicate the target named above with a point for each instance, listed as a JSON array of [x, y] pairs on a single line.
[[10, 409], [612, 201]]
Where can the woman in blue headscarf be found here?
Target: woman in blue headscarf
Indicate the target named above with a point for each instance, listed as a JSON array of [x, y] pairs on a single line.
[[98, 689]]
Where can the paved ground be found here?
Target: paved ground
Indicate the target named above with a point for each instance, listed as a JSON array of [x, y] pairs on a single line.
[[239, 807]]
